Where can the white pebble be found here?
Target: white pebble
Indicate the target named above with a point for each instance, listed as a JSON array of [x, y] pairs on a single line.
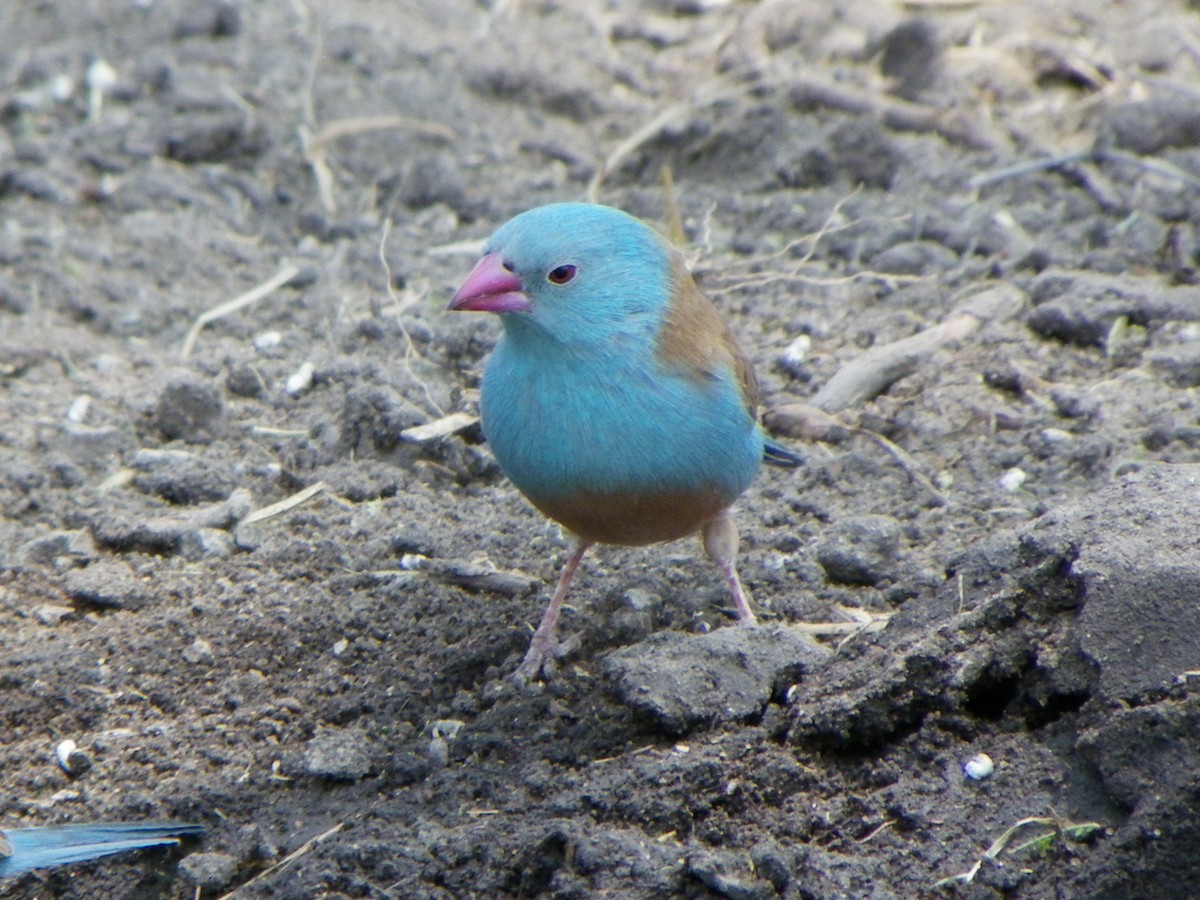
[[100, 76], [439, 752], [979, 767], [78, 410], [797, 351], [1013, 479], [63, 752], [268, 340], [301, 381], [1057, 436], [62, 87], [71, 759]]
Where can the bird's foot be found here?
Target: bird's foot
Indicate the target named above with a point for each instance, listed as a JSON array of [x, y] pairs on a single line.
[[545, 650]]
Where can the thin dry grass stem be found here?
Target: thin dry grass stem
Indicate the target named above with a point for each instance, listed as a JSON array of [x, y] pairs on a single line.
[[674, 216], [732, 283], [284, 505], [471, 247], [1150, 164], [439, 428], [939, 5], [906, 462], [875, 832], [300, 851], [340, 128], [794, 277], [860, 621], [315, 144], [709, 95], [410, 349], [278, 280], [1060, 828]]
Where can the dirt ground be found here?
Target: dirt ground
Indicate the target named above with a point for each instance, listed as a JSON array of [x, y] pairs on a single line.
[[992, 548]]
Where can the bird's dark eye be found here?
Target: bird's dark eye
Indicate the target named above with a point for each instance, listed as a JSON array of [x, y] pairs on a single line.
[[561, 275]]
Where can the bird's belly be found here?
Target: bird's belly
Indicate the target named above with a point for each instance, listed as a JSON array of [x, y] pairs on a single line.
[[633, 517], [626, 456]]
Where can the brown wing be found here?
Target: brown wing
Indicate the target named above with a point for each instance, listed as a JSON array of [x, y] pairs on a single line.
[[696, 338]]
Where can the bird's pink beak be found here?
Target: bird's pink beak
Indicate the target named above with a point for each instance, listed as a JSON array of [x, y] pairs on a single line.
[[491, 288]]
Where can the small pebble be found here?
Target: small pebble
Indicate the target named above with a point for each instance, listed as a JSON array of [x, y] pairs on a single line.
[[793, 358], [1055, 436], [439, 752], [301, 381], [338, 755], [209, 872], [71, 759], [1013, 479], [189, 408], [199, 651], [268, 340], [78, 410], [205, 543], [979, 767], [50, 614], [100, 77], [61, 87]]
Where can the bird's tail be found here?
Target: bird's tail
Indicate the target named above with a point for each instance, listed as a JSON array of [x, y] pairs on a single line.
[[22, 849], [775, 454]]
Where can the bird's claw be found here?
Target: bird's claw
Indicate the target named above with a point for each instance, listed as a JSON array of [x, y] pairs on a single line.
[[545, 650]]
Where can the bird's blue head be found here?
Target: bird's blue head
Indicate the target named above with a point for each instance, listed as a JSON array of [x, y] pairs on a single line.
[[577, 273]]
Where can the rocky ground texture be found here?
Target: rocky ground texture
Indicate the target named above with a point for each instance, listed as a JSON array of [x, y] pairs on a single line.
[[257, 562]]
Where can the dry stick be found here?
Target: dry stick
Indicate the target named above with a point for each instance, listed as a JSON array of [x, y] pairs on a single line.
[[410, 349], [1150, 164], [1147, 163], [709, 96], [341, 128], [878, 368], [872, 373], [314, 145], [278, 280], [282, 506], [439, 428], [304, 848]]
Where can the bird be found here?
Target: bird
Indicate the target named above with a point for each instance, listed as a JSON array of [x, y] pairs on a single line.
[[24, 849], [617, 399]]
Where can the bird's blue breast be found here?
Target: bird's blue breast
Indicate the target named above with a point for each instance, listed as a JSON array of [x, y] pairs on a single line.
[[612, 420]]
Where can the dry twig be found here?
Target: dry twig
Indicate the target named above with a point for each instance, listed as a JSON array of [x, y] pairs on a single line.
[[410, 349], [287, 503], [278, 280], [874, 371], [300, 851]]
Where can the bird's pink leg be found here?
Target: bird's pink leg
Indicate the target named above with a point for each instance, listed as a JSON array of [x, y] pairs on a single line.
[[721, 544], [545, 647]]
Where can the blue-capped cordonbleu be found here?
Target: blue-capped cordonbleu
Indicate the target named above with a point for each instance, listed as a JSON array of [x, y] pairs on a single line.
[[23, 849], [617, 399]]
